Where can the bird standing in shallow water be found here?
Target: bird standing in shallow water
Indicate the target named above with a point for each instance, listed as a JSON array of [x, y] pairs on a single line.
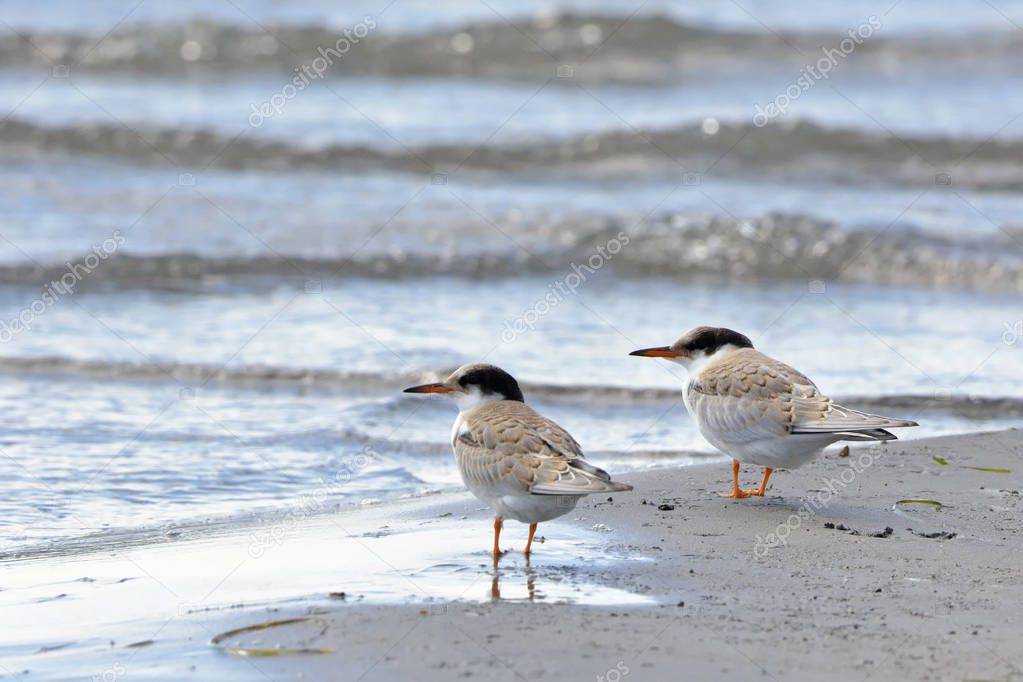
[[759, 410], [520, 463]]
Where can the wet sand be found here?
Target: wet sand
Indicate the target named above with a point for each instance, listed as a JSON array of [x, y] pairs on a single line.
[[825, 577]]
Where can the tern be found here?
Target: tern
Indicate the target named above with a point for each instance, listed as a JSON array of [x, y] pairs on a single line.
[[759, 410], [521, 464]]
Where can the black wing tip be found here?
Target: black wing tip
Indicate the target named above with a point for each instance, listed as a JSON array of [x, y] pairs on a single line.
[[849, 434]]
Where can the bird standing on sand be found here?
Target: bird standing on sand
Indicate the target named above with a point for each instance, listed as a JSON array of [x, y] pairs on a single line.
[[520, 463], [759, 410]]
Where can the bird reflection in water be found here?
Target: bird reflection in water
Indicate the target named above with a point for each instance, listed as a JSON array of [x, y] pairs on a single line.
[[495, 584]]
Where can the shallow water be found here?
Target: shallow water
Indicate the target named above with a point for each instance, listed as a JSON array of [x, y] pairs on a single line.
[[91, 603]]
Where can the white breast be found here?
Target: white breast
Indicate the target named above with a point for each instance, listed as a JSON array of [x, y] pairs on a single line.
[[458, 428]]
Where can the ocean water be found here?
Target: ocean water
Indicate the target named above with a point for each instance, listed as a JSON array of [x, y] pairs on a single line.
[[214, 283]]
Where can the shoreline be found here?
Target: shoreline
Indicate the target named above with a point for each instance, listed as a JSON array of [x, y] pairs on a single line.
[[664, 579]]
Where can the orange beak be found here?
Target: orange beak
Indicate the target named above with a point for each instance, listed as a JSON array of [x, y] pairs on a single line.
[[658, 352], [428, 388]]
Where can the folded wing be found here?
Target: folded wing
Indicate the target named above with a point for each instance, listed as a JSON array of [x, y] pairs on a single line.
[[832, 418], [511, 446], [752, 394]]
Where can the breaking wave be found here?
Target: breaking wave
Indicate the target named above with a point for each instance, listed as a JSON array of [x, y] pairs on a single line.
[[642, 49], [777, 247], [796, 150]]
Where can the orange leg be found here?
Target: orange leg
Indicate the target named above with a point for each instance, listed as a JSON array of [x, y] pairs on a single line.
[[529, 542], [736, 493], [763, 486], [498, 524]]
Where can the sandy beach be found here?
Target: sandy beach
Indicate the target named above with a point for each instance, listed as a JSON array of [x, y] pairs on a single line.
[[826, 576]]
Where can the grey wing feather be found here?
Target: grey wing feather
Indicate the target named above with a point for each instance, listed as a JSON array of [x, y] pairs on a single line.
[[837, 419], [579, 478]]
